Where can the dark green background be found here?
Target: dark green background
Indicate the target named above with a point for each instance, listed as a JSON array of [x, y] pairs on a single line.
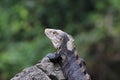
[[94, 24]]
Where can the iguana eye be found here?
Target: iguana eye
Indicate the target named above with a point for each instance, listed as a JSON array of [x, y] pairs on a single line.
[[60, 39], [54, 32]]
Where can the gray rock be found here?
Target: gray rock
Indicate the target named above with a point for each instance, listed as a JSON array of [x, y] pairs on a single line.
[[44, 70]]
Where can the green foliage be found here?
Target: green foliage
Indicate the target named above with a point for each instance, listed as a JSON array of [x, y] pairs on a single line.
[[95, 25]]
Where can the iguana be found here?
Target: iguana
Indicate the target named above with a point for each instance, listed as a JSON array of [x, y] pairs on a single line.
[[73, 67]]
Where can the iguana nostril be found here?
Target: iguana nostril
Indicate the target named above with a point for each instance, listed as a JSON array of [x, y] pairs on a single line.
[[46, 30]]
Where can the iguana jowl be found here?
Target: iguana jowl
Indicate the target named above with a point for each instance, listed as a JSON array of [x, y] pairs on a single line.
[[73, 67]]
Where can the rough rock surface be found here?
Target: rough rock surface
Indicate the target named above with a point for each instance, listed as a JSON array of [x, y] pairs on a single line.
[[44, 70]]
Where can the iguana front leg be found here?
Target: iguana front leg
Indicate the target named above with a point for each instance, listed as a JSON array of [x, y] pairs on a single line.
[[55, 58]]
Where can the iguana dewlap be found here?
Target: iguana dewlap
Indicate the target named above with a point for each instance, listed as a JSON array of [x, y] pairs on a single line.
[[73, 67]]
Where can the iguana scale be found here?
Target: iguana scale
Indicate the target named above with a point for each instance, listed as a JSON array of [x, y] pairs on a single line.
[[73, 67]]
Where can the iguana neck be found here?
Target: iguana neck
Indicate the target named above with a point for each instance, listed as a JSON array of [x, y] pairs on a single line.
[[65, 52]]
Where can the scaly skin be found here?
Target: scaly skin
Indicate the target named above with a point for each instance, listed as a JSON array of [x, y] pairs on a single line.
[[73, 67]]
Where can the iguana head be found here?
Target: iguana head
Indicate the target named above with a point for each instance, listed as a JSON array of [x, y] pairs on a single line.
[[57, 36]]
